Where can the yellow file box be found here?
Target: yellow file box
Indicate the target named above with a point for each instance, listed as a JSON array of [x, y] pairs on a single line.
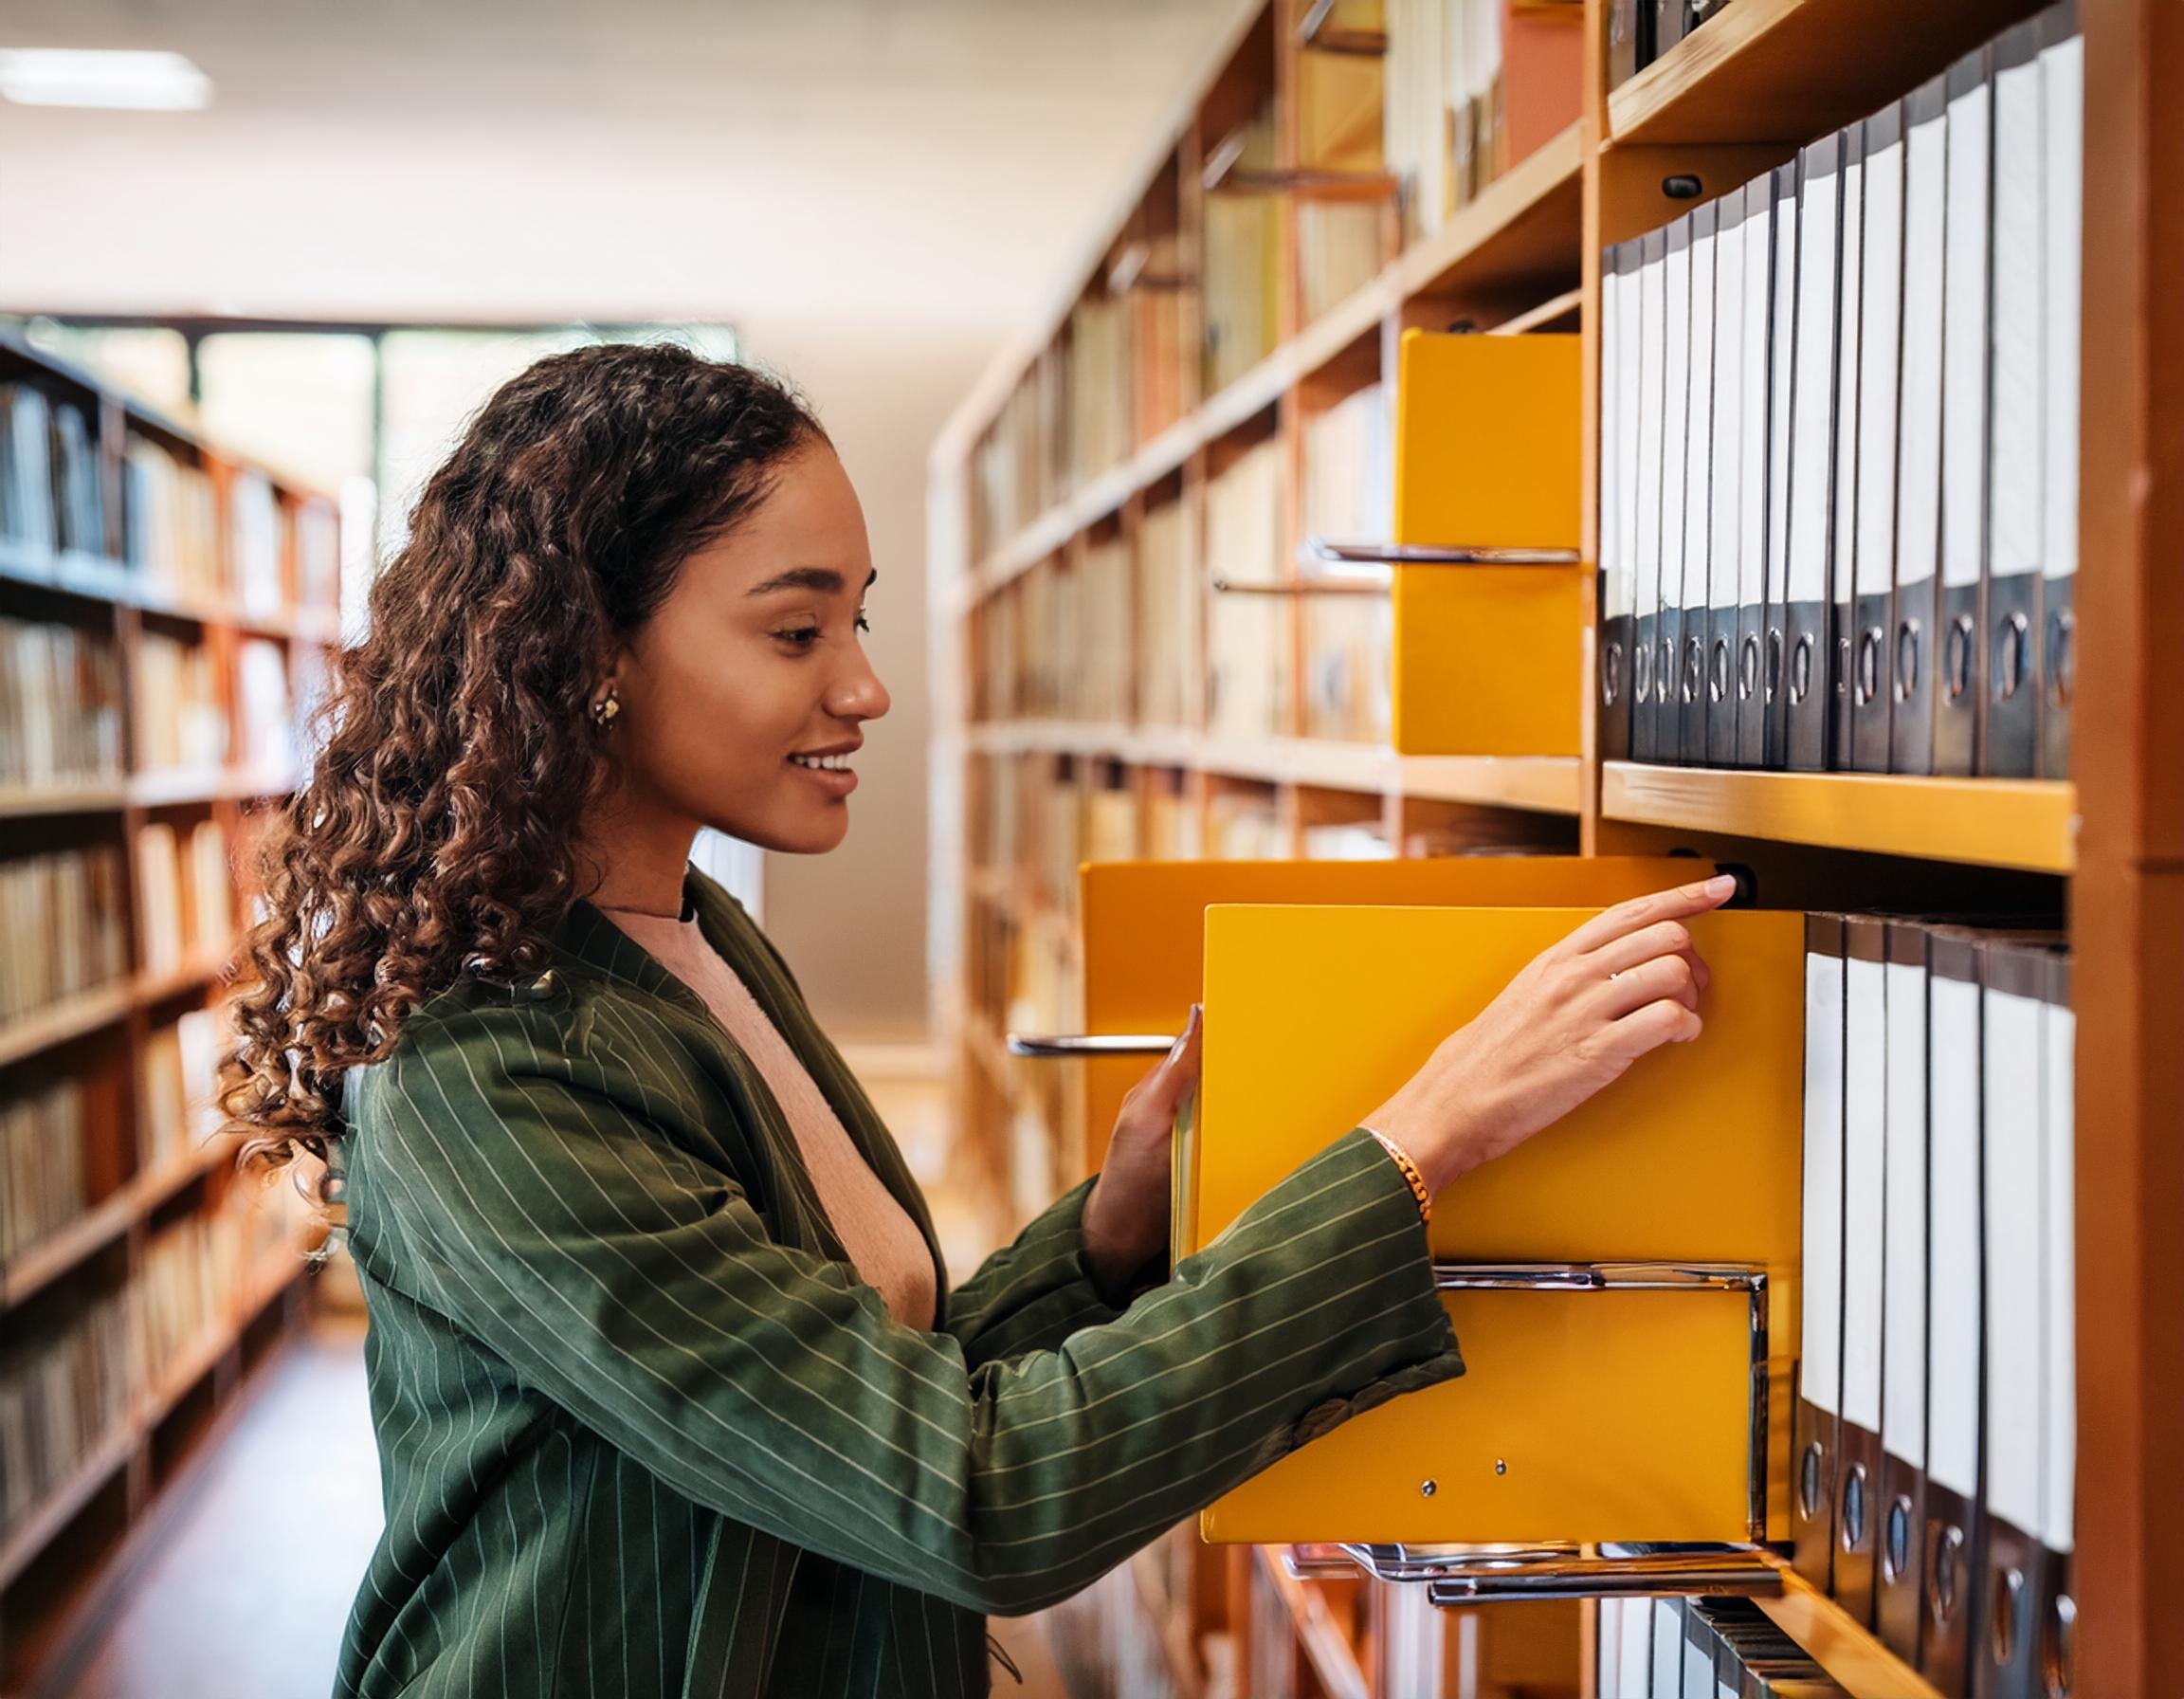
[[1144, 928], [1488, 656], [1623, 1286]]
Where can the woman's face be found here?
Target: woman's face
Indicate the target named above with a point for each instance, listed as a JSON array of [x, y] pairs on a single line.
[[754, 671]]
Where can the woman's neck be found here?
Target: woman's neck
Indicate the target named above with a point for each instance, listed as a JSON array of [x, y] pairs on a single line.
[[634, 860]]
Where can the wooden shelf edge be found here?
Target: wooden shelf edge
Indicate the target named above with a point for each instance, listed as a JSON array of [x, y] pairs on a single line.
[[2027, 824], [1535, 784], [59, 1251], [1528, 187], [71, 1018], [68, 797], [1858, 1661], [1331, 1657]]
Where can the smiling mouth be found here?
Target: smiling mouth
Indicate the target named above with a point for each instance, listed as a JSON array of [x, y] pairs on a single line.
[[821, 763]]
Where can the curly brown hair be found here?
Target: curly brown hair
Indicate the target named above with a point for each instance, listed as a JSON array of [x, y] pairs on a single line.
[[435, 837]]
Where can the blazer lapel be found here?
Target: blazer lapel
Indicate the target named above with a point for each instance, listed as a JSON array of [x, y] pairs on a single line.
[[730, 929]]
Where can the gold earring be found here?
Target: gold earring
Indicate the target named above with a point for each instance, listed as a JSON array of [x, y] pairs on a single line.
[[603, 710]]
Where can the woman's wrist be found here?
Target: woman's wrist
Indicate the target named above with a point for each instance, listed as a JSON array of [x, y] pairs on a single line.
[[1414, 1175]]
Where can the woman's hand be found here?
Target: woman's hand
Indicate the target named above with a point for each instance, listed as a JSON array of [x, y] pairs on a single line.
[[1570, 1023], [1125, 1221]]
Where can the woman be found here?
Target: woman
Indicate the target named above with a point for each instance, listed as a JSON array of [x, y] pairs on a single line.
[[672, 1397]]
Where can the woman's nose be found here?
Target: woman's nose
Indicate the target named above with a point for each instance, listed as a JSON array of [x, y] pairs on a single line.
[[862, 695]]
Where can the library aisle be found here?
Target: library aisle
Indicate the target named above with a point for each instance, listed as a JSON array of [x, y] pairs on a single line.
[[1357, 492]]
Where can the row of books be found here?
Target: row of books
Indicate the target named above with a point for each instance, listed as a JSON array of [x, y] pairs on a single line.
[[1639, 32], [51, 493], [1472, 87], [1249, 666], [1700, 1649], [1021, 467], [70, 1382], [1242, 263], [59, 703], [171, 519], [1349, 640], [181, 721], [1840, 442], [1935, 1445], [42, 1177], [175, 1108], [187, 888], [264, 709], [65, 917]]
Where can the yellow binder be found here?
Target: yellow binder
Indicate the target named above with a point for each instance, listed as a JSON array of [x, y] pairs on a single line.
[[1624, 1414], [1488, 659], [1144, 928]]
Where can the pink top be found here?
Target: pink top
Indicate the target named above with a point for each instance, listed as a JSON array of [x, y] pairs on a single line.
[[883, 1241]]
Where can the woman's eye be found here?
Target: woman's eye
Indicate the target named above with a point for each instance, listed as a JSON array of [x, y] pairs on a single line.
[[803, 637]]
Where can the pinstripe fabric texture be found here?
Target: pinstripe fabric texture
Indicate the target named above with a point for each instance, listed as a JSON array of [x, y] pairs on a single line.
[[642, 1431]]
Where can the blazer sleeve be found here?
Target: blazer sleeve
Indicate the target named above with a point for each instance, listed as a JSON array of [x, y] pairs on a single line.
[[1031, 1294], [543, 1202]]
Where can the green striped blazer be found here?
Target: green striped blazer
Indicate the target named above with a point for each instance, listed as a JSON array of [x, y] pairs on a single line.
[[644, 1433]]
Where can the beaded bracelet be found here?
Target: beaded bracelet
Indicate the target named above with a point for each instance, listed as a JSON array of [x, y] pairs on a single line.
[[1402, 1160]]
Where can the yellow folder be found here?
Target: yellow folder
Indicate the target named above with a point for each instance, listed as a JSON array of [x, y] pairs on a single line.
[[1144, 928], [1584, 1415], [1488, 659]]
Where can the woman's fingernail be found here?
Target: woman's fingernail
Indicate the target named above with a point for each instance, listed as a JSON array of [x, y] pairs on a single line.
[[1722, 884]]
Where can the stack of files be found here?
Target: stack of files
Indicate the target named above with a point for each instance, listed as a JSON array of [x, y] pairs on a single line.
[[42, 1179], [1168, 611], [1100, 671], [1242, 265], [1245, 825], [65, 917], [1349, 496], [60, 705], [184, 1286], [1005, 472], [1099, 385], [179, 718], [1249, 661], [1349, 841], [1060, 826], [1046, 631], [26, 467], [254, 540], [1473, 88], [1839, 480], [1935, 1438], [1700, 1649], [171, 522]]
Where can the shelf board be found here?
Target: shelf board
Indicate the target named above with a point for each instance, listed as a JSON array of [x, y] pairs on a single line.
[[85, 797], [1861, 1665], [2029, 824], [1777, 71], [1525, 228], [1537, 784], [54, 1255], [165, 788], [70, 1017]]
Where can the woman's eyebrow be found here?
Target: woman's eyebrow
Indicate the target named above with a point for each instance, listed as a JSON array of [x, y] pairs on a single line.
[[823, 579]]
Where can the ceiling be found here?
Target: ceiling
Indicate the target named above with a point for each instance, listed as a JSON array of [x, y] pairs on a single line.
[[926, 167]]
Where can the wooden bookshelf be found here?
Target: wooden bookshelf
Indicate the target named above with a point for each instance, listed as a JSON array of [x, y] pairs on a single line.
[[1758, 79], [56, 1556]]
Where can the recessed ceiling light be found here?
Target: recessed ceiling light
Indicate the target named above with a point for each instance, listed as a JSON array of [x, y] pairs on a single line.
[[88, 77]]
